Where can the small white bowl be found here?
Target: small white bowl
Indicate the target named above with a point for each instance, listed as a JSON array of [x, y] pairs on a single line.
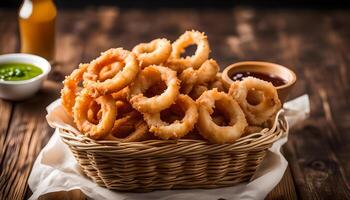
[[19, 90]]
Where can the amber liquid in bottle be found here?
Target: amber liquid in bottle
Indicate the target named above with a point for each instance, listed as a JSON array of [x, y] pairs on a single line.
[[37, 27]]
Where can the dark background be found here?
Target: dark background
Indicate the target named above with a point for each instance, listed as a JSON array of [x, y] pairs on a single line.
[[322, 4]]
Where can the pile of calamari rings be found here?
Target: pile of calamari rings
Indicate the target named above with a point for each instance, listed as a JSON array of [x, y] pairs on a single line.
[[157, 92]]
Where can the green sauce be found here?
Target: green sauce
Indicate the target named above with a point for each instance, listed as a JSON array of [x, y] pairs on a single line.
[[18, 71]]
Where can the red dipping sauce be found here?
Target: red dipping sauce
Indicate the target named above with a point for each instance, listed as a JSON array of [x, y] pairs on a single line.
[[275, 80]]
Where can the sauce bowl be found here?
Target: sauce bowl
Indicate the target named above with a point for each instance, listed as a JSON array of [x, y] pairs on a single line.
[[19, 90], [263, 67]]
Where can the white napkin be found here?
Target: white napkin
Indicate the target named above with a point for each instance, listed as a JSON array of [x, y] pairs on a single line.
[[56, 169]]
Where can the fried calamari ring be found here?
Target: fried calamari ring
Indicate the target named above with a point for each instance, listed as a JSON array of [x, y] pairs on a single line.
[[123, 107], [70, 87], [197, 91], [229, 107], [110, 71], [219, 120], [218, 83], [125, 122], [193, 135], [156, 89], [177, 129], [252, 129], [179, 64], [121, 95], [94, 113], [120, 80], [138, 132], [127, 115], [149, 76], [206, 73], [257, 98], [80, 109], [153, 53], [129, 125]]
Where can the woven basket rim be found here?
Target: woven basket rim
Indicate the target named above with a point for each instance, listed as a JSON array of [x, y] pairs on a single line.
[[162, 148]]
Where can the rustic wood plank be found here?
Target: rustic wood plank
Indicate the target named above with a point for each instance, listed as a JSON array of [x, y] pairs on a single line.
[[317, 150], [285, 189], [101, 22], [66, 195], [8, 38], [293, 42], [122, 33], [27, 134], [8, 44], [337, 111], [219, 33]]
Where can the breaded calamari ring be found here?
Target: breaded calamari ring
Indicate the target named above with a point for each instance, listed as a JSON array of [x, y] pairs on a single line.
[[120, 80], [70, 87], [129, 125], [123, 109], [179, 64], [136, 133], [121, 95], [109, 112], [193, 135], [126, 117], [177, 129], [197, 91], [110, 71], [252, 129], [153, 53], [257, 98], [206, 73], [149, 76], [94, 113], [218, 83], [126, 121], [219, 120], [229, 107]]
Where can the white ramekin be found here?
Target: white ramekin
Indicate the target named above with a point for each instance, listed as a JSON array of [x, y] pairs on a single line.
[[19, 90]]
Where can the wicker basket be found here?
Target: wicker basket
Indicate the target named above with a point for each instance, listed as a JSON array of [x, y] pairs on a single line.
[[160, 164]]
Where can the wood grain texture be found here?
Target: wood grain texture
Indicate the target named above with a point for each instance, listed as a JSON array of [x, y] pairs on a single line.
[[28, 132], [285, 189], [8, 43], [315, 44], [318, 151], [23, 127]]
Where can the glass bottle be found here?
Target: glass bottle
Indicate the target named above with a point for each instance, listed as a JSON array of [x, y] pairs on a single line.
[[37, 27]]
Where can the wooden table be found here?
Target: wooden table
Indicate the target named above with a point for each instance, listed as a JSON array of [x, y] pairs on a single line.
[[314, 43]]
